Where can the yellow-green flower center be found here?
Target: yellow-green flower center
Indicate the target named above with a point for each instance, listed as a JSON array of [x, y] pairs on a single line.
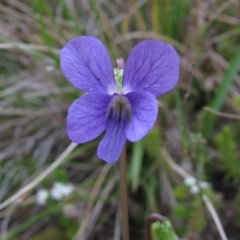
[[118, 74]]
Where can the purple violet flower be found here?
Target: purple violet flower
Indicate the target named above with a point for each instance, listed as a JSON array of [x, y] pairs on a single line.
[[124, 111]]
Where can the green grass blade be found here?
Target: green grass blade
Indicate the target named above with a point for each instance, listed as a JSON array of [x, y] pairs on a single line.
[[217, 102], [136, 164], [181, 120], [33, 220]]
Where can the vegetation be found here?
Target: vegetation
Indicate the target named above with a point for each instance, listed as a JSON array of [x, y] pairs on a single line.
[[196, 135]]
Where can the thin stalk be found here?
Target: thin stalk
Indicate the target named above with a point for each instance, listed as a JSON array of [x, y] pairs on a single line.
[[124, 194]]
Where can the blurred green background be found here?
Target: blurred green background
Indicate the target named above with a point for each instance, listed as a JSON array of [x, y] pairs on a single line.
[[203, 142]]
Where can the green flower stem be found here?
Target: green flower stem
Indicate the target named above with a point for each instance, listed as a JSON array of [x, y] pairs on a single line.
[[124, 194]]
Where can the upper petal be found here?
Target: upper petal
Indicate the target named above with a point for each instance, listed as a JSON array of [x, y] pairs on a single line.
[[86, 63], [144, 114], [112, 143], [151, 66], [86, 118]]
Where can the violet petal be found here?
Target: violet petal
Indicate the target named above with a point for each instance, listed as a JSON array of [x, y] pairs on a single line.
[[86, 63], [151, 66], [109, 149], [86, 118], [144, 114]]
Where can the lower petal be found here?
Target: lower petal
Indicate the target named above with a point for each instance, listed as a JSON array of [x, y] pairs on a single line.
[[144, 114], [86, 118], [112, 143]]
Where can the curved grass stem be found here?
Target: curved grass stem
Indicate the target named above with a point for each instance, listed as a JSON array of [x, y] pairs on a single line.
[[41, 177], [205, 198]]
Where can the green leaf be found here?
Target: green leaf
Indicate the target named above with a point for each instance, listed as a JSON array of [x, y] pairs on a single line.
[[163, 231], [228, 149]]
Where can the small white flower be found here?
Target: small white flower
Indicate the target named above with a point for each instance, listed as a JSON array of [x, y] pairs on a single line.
[[204, 185], [190, 181], [194, 189], [49, 68], [41, 196], [193, 184], [60, 190]]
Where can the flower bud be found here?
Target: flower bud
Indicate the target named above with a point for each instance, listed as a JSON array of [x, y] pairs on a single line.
[[120, 63]]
